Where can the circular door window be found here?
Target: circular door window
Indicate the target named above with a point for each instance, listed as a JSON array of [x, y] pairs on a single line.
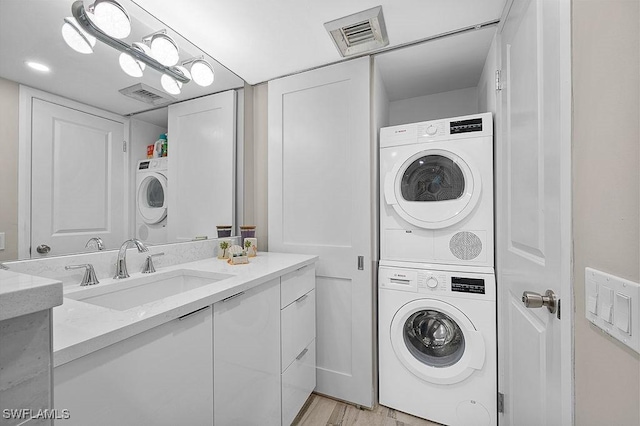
[[433, 189], [433, 338], [152, 199], [436, 342], [432, 178]]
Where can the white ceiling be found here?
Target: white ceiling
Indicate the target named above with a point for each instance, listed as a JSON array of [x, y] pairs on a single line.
[[437, 66], [31, 30], [261, 40]]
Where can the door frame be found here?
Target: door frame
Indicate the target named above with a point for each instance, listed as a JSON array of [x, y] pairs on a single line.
[[567, 393], [26, 96]]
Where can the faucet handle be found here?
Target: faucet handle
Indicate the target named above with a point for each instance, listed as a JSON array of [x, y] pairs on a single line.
[[3, 266], [89, 277], [148, 267]]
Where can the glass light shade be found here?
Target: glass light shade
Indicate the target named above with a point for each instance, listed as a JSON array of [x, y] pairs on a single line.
[[202, 73], [170, 84], [111, 18], [164, 49], [77, 38], [132, 66]]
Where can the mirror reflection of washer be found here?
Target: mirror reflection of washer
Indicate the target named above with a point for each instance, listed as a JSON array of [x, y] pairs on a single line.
[[437, 343], [151, 200], [436, 200]]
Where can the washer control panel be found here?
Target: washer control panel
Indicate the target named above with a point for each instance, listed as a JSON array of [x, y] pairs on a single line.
[[437, 283], [467, 285], [431, 281]]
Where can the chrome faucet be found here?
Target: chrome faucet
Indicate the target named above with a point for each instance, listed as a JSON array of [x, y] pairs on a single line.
[[121, 263], [89, 277], [99, 243]]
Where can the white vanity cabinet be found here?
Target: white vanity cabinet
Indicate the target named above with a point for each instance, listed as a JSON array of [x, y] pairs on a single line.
[[246, 357], [163, 376], [298, 338]]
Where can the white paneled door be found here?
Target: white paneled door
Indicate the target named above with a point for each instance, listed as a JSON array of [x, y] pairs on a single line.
[[77, 179], [320, 203], [202, 158], [534, 217]]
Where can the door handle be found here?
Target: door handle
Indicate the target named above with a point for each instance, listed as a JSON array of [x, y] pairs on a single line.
[[43, 249], [532, 300]]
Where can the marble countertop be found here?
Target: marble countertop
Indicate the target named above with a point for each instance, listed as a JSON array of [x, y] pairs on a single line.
[[22, 294], [80, 328]]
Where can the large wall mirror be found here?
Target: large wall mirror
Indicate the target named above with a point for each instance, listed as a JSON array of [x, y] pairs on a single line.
[[76, 137]]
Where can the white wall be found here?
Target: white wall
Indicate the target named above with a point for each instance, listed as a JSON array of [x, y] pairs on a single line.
[[606, 188], [142, 134], [260, 143], [433, 107], [9, 101]]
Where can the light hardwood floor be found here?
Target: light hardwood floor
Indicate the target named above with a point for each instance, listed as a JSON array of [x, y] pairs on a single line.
[[320, 411]]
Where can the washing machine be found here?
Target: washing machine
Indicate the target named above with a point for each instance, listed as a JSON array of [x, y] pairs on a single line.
[[151, 200], [436, 182], [437, 343]]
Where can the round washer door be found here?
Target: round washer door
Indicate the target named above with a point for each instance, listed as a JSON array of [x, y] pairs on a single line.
[[433, 188], [152, 200], [436, 342]]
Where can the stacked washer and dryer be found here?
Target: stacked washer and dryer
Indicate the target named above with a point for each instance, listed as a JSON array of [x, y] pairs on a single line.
[[151, 200], [437, 291]]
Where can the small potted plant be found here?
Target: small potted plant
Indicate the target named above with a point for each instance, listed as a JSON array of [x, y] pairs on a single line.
[[222, 253]]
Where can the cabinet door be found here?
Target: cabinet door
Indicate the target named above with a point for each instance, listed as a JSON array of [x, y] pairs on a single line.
[[320, 202], [201, 175], [246, 357], [163, 376]]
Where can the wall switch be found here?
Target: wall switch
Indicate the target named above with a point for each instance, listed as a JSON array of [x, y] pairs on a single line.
[[1, 240], [612, 304]]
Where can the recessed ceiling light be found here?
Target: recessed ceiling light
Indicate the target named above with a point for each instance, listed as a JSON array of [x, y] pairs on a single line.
[[37, 66]]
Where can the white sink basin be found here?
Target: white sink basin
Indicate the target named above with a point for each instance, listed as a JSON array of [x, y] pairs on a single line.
[[132, 292]]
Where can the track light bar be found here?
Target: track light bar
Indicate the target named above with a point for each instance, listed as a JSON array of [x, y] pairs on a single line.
[[79, 12]]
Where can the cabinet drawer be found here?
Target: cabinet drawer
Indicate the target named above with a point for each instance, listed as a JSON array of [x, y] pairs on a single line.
[[298, 381], [298, 327], [297, 283]]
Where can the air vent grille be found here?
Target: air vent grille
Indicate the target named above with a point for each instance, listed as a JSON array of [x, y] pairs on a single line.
[[147, 94], [359, 33]]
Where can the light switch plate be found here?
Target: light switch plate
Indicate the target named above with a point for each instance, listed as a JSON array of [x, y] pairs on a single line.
[[612, 304], [1, 240]]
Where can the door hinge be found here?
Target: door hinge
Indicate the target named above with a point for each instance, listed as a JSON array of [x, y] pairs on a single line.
[[124, 146], [498, 81], [500, 402]]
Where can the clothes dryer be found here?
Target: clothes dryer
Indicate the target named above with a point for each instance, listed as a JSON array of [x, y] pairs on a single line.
[[436, 182], [437, 343], [151, 201]]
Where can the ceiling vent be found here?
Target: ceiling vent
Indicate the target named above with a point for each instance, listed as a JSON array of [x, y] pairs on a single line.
[[147, 94], [359, 33]]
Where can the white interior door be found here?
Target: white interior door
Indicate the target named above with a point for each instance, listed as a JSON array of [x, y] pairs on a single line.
[[320, 203], [534, 217], [201, 175], [77, 179]]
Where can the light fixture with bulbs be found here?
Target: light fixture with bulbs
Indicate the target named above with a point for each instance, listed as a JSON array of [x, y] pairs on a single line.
[[109, 22]]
